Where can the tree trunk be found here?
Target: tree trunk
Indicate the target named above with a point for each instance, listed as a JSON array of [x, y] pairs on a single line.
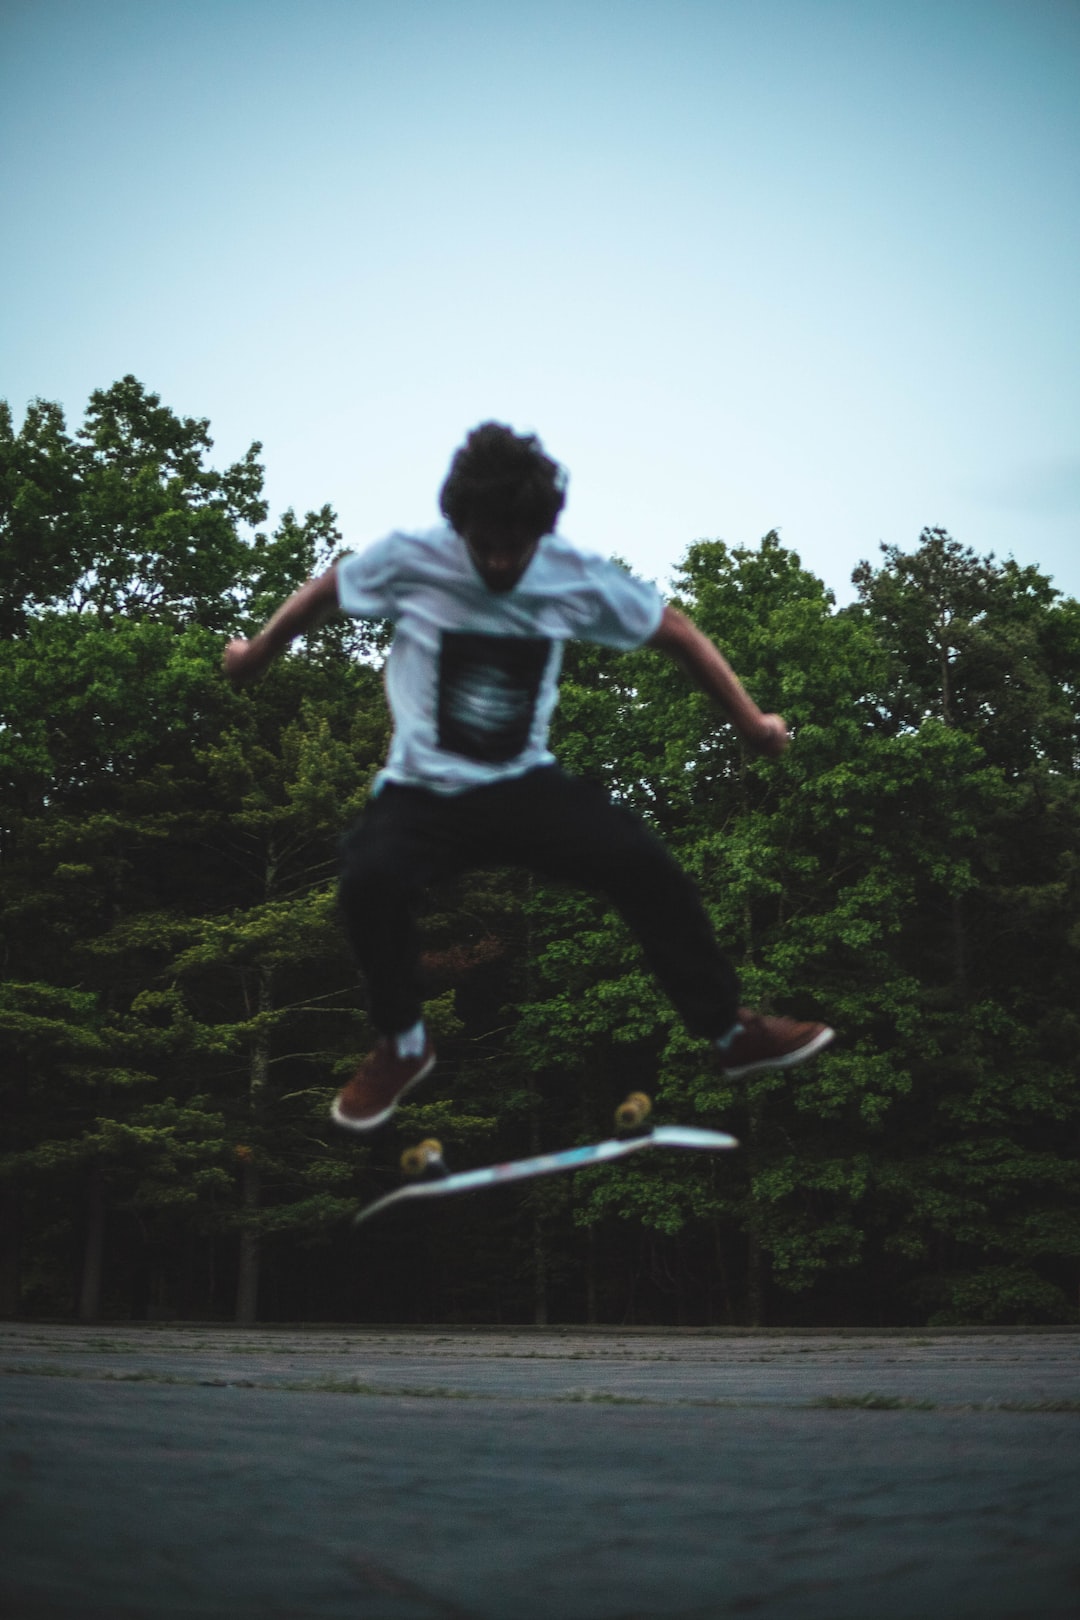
[[247, 1282], [540, 1276], [539, 1237], [960, 950], [94, 1249], [590, 1277], [10, 1240], [755, 1282], [722, 1273], [539, 1244], [755, 1259], [959, 928], [943, 665]]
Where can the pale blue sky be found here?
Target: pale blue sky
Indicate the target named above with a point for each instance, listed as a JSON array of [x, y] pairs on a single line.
[[743, 264]]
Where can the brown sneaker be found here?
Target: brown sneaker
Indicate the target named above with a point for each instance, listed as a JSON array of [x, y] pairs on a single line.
[[771, 1043], [379, 1085]]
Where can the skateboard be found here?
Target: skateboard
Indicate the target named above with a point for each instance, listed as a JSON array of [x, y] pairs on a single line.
[[429, 1177]]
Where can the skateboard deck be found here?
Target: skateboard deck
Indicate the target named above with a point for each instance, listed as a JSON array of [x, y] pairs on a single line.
[[545, 1164]]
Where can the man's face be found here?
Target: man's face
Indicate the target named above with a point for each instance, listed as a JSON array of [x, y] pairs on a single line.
[[500, 553]]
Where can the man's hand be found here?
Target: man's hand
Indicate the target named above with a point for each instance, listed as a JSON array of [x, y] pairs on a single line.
[[244, 661], [709, 669], [770, 737], [305, 610]]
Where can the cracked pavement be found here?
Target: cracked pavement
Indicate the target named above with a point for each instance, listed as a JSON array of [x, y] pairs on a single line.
[[392, 1474]]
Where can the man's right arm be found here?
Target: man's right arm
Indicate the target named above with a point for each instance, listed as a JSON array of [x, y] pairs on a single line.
[[707, 667], [305, 610]]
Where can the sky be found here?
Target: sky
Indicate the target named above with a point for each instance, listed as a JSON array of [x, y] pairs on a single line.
[[809, 265]]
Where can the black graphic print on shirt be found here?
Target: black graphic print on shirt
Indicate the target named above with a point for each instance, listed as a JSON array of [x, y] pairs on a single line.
[[488, 687]]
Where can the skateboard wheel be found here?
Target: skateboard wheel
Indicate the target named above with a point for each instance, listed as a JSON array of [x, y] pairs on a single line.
[[633, 1112], [415, 1160]]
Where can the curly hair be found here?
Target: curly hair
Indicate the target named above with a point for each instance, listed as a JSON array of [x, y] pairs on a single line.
[[501, 476]]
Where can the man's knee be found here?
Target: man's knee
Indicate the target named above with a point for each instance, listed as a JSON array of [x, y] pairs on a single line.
[[632, 860], [373, 872]]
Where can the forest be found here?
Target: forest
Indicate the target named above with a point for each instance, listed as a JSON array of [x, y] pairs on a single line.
[[178, 1007]]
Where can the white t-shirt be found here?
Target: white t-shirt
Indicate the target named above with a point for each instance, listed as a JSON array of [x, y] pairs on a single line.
[[472, 675]]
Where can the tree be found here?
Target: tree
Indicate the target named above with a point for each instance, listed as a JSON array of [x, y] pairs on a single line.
[[41, 549], [987, 1194], [177, 1005], [102, 814]]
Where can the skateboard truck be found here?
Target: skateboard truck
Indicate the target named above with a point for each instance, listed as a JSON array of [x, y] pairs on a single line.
[[632, 1114], [425, 1161]]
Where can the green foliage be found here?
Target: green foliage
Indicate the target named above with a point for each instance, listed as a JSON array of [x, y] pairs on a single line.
[[168, 845], [124, 518], [177, 1005], [873, 875]]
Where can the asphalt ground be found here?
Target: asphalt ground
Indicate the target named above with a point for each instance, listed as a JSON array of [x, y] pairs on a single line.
[[523, 1475]]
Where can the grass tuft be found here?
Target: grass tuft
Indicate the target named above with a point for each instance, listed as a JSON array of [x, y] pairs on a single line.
[[872, 1403]]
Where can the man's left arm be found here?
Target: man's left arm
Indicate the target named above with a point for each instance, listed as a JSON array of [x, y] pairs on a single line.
[[709, 669], [305, 610]]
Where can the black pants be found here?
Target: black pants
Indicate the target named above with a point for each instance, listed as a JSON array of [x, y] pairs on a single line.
[[553, 825]]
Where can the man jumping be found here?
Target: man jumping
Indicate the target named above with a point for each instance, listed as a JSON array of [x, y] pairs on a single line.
[[482, 608]]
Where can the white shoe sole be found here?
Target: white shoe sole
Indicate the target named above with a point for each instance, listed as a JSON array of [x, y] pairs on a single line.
[[788, 1060], [374, 1120]]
